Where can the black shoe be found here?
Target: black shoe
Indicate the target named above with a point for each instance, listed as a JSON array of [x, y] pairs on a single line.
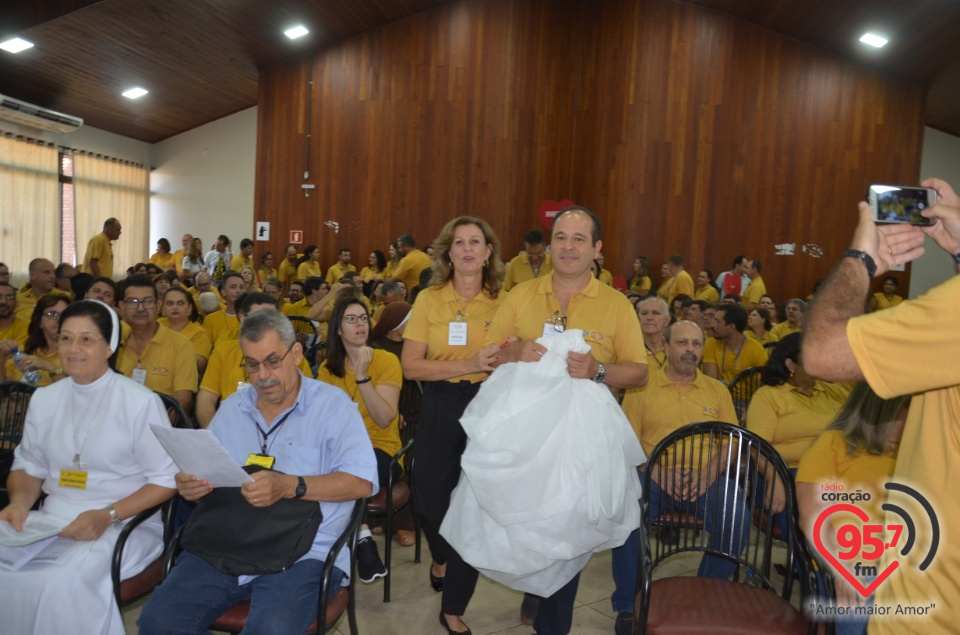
[[436, 581], [624, 624], [369, 565], [529, 608], [450, 631]]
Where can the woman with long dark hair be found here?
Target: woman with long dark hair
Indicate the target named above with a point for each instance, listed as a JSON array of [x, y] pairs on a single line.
[[309, 263], [40, 350], [180, 314]]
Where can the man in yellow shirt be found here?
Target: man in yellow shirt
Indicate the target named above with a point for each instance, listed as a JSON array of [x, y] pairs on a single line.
[[224, 323], [730, 351], [910, 349], [287, 272], [203, 283], [682, 282], [225, 373], [245, 257], [678, 396], [570, 297], [42, 280], [794, 322], [311, 295], [178, 254], [666, 284], [605, 276], [532, 263], [98, 260], [756, 289], [413, 262], [11, 327], [151, 354], [339, 268], [654, 320]]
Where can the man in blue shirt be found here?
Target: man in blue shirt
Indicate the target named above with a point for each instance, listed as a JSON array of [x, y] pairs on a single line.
[[321, 453]]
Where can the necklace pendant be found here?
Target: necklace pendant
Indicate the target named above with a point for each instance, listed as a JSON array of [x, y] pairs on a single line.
[[76, 460]]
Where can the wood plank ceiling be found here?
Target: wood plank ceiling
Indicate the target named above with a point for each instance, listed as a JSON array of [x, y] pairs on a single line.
[[200, 59]]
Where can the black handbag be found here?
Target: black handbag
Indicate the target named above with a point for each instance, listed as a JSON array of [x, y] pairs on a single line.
[[236, 538]]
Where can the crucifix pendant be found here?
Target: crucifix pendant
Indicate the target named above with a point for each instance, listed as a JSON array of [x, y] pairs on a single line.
[[76, 460]]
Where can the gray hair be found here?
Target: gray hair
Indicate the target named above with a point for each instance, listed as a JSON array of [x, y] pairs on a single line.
[[800, 304], [661, 301], [256, 325], [208, 302], [669, 331]]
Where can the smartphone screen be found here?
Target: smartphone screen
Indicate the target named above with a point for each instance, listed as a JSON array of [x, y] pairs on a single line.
[[901, 204]]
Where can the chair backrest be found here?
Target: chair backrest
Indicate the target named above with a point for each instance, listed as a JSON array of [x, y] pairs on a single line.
[[770, 345], [742, 388], [305, 329], [736, 468], [14, 399], [178, 416], [411, 394]]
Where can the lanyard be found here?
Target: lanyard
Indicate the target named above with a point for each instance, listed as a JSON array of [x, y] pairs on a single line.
[[266, 434], [651, 351], [723, 359]]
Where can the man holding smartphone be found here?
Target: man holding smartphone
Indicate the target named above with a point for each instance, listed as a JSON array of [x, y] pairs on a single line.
[[912, 348]]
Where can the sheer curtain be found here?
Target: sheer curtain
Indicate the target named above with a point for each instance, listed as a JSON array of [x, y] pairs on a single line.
[[104, 189], [30, 200]]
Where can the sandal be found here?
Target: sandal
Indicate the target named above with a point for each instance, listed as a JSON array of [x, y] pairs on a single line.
[[376, 530], [406, 537]]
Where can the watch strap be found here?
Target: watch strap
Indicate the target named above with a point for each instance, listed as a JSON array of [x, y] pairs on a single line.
[[868, 262], [301, 488], [114, 516]]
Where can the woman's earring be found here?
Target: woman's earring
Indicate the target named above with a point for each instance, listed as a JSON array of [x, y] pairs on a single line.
[[486, 263]]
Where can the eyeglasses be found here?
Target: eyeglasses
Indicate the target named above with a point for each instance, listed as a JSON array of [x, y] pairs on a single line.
[[273, 362], [559, 322], [147, 303], [53, 315], [85, 339], [353, 319]]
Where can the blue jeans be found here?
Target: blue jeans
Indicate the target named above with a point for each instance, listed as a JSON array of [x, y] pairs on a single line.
[[195, 594], [627, 556]]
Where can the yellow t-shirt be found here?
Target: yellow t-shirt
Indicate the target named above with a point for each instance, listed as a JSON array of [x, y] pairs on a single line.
[[641, 285], [263, 275], [664, 406], [238, 262], [300, 307], [707, 294], [178, 260], [164, 261], [729, 362], [606, 277], [369, 273], [169, 360], [663, 292], [202, 345], [218, 323], [27, 302], [766, 339], [287, 272], [884, 303], [828, 461], [912, 349], [99, 248], [782, 330], [17, 331], [309, 269], [225, 371], [410, 267], [433, 312], [384, 370], [754, 291], [335, 272], [682, 284], [13, 371], [519, 270], [790, 420], [389, 269], [610, 325]]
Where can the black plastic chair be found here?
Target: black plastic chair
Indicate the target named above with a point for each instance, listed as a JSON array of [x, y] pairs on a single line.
[[133, 588], [739, 463], [305, 329], [234, 619], [178, 416], [14, 400], [742, 388], [390, 500]]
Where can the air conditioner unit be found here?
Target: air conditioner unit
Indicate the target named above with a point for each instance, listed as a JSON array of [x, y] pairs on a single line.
[[22, 113]]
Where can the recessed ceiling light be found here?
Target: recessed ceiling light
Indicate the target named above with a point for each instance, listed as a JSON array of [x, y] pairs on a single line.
[[16, 45], [295, 32], [134, 93], [873, 40]]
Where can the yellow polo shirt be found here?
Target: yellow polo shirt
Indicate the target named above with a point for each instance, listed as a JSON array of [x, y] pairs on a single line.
[[663, 292], [606, 277], [729, 363], [178, 260], [912, 349], [287, 272], [682, 284], [790, 420], [335, 272], [884, 303], [169, 360], [17, 331], [193, 331], [369, 273], [641, 285], [433, 312], [610, 326], [707, 294], [766, 339], [196, 299], [384, 370], [238, 262], [308, 270], [263, 275], [13, 371], [99, 248], [225, 369], [27, 302], [164, 261], [664, 406], [218, 323], [410, 267], [300, 307], [520, 270], [754, 291], [782, 330]]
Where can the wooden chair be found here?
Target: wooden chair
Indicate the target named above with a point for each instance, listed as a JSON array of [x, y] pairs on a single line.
[[388, 501], [752, 602], [235, 618], [742, 388], [14, 400], [178, 416]]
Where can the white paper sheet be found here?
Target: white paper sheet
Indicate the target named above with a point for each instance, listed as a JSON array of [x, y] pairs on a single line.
[[198, 452], [36, 527]]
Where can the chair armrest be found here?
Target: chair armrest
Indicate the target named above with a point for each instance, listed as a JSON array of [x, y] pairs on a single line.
[[349, 535], [132, 524]]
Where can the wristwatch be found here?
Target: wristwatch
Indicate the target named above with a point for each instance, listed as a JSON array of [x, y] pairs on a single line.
[[863, 257], [301, 488], [114, 516], [601, 373]]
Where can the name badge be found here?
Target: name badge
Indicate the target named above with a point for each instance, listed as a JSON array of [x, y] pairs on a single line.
[[458, 334], [263, 460], [76, 479], [139, 375]]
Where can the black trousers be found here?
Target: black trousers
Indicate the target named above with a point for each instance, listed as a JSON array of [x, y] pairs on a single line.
[[555, 615], [440, 444]]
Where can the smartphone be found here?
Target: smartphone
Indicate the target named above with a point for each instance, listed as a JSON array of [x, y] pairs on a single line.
[[901, 204]]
